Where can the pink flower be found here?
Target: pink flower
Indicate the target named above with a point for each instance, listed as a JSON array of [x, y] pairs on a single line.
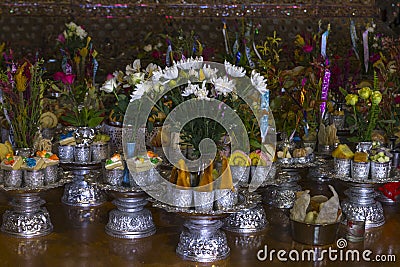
[[64, 78], [109, 76], [397, 99], [61, 38], [308, 48]]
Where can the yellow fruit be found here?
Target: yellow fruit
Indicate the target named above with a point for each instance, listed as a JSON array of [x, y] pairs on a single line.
[[343, 152]]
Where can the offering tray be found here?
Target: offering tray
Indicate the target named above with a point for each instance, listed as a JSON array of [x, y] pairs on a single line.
[[361, 203], [202, 239], [297, 163], [28, 218], [83, 191], [130, 220]]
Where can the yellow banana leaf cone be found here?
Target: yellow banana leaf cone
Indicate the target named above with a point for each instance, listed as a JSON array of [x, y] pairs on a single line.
[[183, 174], [226, 176], [207, 179], [174, 175]]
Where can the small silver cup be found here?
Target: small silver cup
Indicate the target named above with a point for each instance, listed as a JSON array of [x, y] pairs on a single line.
[[225, 198], [82, 153], [34, 178], [114, 177], [203, 200], [99, 151], [360, 170], [12, 178], [50, 174], [342, 167], [66, 153]]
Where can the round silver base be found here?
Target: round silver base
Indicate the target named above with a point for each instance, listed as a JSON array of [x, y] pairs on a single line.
[[282, 197], [361, 205], [81, 193], [130, 220], [203, 241], [27, 219], [246, 221]]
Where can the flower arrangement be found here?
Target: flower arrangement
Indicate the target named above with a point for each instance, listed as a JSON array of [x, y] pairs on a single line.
[[198, 86], [76, 80], [365, 105], [120, 85], [22, 86], [78, 55]]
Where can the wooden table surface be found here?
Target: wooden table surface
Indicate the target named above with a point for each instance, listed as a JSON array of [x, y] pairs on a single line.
[[79, 239]]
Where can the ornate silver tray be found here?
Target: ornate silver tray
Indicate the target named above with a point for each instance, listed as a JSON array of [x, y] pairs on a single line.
[[28, 217], [246, 200]]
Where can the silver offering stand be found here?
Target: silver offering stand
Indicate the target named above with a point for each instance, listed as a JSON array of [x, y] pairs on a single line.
[[130, 219], [253, 219], [28, 217], [202, 239], [283, 194], [361, 203], [83, 191]]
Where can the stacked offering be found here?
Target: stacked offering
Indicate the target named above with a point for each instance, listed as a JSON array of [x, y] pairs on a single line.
[[360, 164], [30, 171]]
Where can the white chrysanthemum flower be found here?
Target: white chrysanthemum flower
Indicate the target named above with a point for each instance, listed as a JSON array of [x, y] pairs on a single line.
[[171, 73], [135, 67], [134, 78], [80, 32], [141, 88], [190, 89], [151, 68], [258, 81], [202, 93], [209, 72], [234, 71], [223, 85], [157, 75], [190, 63], [110, 85]]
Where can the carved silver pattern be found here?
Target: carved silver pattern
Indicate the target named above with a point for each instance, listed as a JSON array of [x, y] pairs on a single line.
[[281, 197], [360, 170], [130, 225], [380, 170], [66, 153], [361, 205], [114, 176], [203, 241], [82, 153], [99, 151], [240, 175], [27, 224], [33, 178], [130, 220], [50, 174], [342, 167], [12, 178], [84, 135], [82, 193], [246, 221]]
